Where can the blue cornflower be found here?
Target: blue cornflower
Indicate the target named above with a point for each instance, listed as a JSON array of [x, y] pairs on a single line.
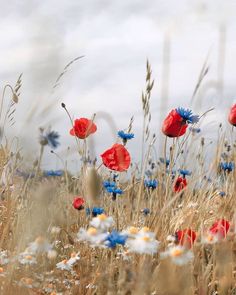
[[114, 190], [151, 183], [53, 173], [227, 166], [185, 172], [115, 238], [187, 115], [95, 211], [50, 138], [162, 160], [108, 183], [222, 194], [125, 136], [195, 130], [146, 211]]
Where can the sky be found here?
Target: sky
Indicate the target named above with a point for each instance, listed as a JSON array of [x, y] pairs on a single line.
[[39, 38]]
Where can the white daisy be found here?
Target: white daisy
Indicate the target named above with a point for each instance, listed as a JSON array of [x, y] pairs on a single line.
[[131, 231], [26, 258], [73, 259], [40, 245], [178, 254], [143, 245], [3, 258], [210, 238], [63, 265], [145, 231], [92, 235], [102, 222]]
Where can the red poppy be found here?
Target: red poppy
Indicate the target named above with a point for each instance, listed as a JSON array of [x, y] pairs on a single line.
[[174, 125], [116, 158], [180, 183], [78, 203], [232, 115], [186, 237], [220, 228], [83, 128]]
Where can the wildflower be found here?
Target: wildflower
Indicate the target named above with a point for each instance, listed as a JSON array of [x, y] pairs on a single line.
[[227, 166], [108, 183], [195, 130], [95, 211], [177, 121], [49, 138], [143, 244], [3, 258], [52, 254], [27, 258], [83, 128], [166, 162], [102, 222], [178, 254], [232, 115], [220, 228], [78, 203], [49, 173], [209, 238], [115, 238], [145, 231], [131, 232], [222, 194], [114, 190], [125, 136], [116, 158], [186, 237], [152, 183], [63, 265], [185, 172], [74, 258], [179, 184], [40, 245], [92, 235], [55, 230], [145, 211]]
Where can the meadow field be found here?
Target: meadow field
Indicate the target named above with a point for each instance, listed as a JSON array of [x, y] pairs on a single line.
[[163, 226]]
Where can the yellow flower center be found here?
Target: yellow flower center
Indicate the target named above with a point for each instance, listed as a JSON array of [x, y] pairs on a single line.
[[210, 238], [133, 230], [102, 217], [64, 261], [28, 257], [177, 252], [146, 229], [145, 239], [92, 231], [1, 270], [72, 255]]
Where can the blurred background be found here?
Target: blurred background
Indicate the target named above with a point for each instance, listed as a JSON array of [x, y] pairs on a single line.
[[39, 38]]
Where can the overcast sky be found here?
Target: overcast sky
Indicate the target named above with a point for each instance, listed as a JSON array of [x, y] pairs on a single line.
[[38, 38]]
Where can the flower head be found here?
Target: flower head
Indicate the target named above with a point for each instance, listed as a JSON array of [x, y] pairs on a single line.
[[115, 238], [178, 254], [108, 183], [93, 235], [232, 115], [227, 166], [142, 244], [220, 228], [195, 130], [78, 203], [185, 172], [49, 138], [83, 128], [95, 211], [114, 190], [125, 136], [145, 211], [53, 173], [186, 237], [40, 245], [102, 222], [116, 158], [177, 121], [179, 184], [152, 183]]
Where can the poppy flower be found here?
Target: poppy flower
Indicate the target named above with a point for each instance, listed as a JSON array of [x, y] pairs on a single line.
[[220, 228], [83, 128], [176, 123], [186, 237], [116, 158], [78, 203], [180, 184], [232, 115]]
